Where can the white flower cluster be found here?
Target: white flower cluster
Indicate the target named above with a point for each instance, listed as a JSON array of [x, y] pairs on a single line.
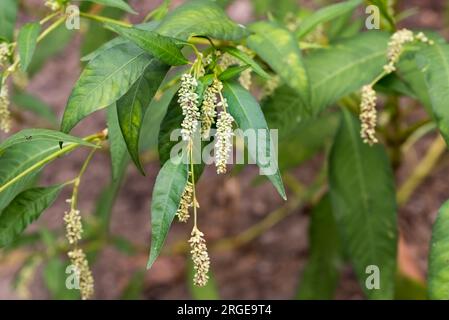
[[86, 280], [5, 114], [73, 226], [200, 257], [5, 52], [223, 139], [185, 203], [368, 115], [396, 45], [208, 107], [53, 5], [188, 100]]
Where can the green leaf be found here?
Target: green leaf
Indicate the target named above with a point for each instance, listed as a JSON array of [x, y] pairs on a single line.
[[32, 103], [163, 48], [104, 80], [131, 108], [27, 41], [363, 199], [117, 145], [26, 207], [118, 40], [324, 15], [321, 274], [115, 4], [242, 56], [32, 136], [20, 163], [248, 116], [8, 15], [200, 18], [280, 49], [334, 72], [167, 192], [208, 292], [135, 287], [438, 277], [232, 72], [434, 62]]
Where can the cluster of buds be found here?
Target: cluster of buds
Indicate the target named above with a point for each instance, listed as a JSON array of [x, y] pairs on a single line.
[[73, 225], [5, 114], [270, 86], [368, 115], [396, 46], [185, 203], [5, 52], [74, 230], [223, 139], [86, 280], [53, 5], [188, 100], [208, 107], [200, 257]]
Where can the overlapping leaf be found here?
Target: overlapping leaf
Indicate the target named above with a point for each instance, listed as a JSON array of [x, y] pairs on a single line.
[[8, 14], [27, 41], [363, 200]]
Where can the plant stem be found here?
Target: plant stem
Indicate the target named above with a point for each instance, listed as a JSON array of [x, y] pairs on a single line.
[[105, 19]]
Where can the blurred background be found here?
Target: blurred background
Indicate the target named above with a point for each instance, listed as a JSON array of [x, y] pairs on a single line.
[[259, 245]]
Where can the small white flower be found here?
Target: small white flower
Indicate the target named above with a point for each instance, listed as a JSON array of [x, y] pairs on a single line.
[[5, 114], [223, 139], [86, 280], [368, 115], [188, 100], [200, 257]]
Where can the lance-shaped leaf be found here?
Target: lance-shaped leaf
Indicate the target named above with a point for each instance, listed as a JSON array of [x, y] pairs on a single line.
[[248, 116], [439, 256], [163, 48], [104, 80], [280, 49], [434, 62], [119, 155], [32, 136], [27, 41], [363, 200], [232, 72], [131, 108], [170, 184], [200, 18], [120, 4], [321, 274], [324, 15], [8, 15], [26, 207]]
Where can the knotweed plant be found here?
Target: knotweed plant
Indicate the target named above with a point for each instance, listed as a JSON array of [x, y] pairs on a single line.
[[324, 83]]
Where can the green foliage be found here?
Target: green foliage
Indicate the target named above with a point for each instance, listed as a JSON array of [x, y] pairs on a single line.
[[8, 15], [32, 103], [167, 191], [279, 48], [200, 18], [163, 48], [115, 4], [438, 267], [324, 15], [248, 115], [26, 207], [27, 41], [367, 221]]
